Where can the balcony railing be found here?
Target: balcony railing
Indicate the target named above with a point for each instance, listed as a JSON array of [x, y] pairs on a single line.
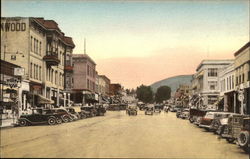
[[51, 58]]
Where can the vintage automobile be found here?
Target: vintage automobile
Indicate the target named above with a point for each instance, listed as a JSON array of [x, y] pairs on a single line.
[[176, 108], [132, 110], [39, 116], [243, 137], [216, 123], [206, 121], [231, 130], [157, 108], [195, 115], [184, 114], [88, 111], [141, 105], [65, 115], [149, 110], [100, 110], [73, 113], [178, 113]]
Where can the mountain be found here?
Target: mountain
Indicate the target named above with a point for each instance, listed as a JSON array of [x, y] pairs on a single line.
[[172, 82]]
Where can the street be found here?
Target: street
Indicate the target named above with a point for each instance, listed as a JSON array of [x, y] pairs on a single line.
[[118, 135]]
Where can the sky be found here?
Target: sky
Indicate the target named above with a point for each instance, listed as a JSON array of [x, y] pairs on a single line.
[[141, 42]]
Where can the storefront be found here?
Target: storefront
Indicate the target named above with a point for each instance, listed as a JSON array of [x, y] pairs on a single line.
[[10, 91]]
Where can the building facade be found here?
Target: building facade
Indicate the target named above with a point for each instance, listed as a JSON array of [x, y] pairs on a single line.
[[242, 77], [84, 75], [206, 82], [227, 89], [38, 46]]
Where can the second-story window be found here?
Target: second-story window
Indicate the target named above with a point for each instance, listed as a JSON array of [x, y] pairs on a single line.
[[40, 48], [212, 72], [31, 43]]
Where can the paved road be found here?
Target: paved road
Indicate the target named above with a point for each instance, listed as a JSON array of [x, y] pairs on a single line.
[[118, 135]]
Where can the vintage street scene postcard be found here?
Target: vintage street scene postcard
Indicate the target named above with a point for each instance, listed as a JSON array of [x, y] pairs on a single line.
[[125, 79]]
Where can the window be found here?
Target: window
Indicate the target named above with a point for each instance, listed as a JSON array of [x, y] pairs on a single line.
[[88, 83], [34, 45], [31, 70], [52, 76], [212, 72], [31, 43], [232, 81], [56, 77], [212, 85], [40, 73], [40, 48], [248, 76], [87, 69], [243, 78]]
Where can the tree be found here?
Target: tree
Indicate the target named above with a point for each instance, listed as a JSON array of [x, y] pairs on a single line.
[[144, 94], [162, 93]]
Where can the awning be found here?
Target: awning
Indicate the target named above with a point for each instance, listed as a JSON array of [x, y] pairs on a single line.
[[43, 100]]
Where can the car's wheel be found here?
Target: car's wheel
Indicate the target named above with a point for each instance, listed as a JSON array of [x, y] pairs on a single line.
[[23, 123], [65, 118], [243, 139], [59, 121], [52, 121]]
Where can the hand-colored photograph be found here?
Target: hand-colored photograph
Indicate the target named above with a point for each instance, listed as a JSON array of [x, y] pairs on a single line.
[[125, 79]]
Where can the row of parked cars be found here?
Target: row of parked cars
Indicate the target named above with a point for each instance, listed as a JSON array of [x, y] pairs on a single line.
[[233, 127], [59, 115]]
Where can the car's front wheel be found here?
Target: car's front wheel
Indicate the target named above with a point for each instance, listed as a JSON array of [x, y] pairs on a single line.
[[52, 121], [243, 139], [65, 118], [23, 123], [59, 121]]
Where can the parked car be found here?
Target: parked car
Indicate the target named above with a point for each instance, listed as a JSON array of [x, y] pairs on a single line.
[[141, 105], [216, 123], [157, 108], [132, 110], [176, 108], [149, 110], [64, 114], [100, 110], [88, 111], [206, 121], [232, 128], [39, 116], [178, 113], [195, 115], [73, 113], [184, 114], [243, 137]]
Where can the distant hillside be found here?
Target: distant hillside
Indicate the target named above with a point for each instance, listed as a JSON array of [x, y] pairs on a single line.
[[172, 82]]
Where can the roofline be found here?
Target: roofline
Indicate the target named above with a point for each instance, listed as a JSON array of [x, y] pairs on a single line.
[[201, 63], [242, 48]]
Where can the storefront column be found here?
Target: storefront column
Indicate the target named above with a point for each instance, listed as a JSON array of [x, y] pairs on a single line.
[[64, 99], [235, 102], [57, 97]]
